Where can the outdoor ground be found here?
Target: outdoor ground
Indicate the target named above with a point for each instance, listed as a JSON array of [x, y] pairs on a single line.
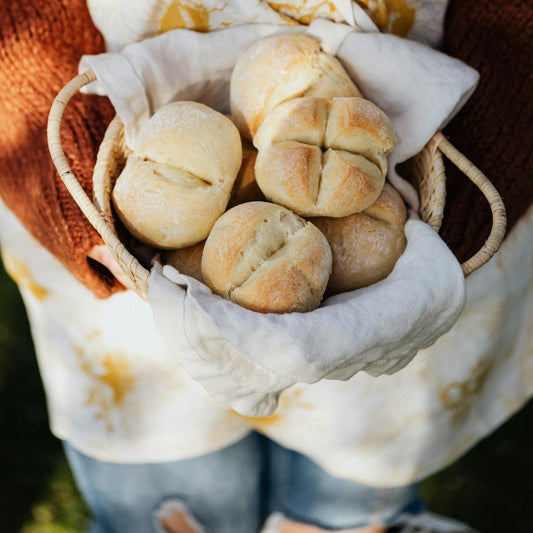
[[491, 488]]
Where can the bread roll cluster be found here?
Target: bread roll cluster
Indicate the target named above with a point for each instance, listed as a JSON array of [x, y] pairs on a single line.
[[273, 226]]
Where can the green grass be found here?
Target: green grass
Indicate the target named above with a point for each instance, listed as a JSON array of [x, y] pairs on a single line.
[[60, 508], [38, 494], [490, 488]]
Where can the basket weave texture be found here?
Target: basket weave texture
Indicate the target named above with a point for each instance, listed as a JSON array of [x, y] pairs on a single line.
[[426, 172]]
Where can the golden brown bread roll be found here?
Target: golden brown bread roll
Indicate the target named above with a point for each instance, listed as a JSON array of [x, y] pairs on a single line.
[[178, 181], [187, 260], [365, 246], [267, 259], [245, 188], [278, 68], [323, 157]]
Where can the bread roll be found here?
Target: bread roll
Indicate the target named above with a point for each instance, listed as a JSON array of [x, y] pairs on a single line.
[[323, 157], [187, 260], [245, 188], [278, 68], [365, 246], [267, 259], [178, 181]]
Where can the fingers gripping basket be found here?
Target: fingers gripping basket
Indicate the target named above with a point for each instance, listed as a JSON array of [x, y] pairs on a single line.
[[427, 172]]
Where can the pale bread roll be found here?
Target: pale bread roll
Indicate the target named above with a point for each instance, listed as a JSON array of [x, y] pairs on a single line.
[[322, 157], [178, 181], [278, 68], [245, 188], [187, 260], [267, 259], [365, 246]]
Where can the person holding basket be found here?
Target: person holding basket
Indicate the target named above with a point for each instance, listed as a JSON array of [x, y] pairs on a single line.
[[149, 443]]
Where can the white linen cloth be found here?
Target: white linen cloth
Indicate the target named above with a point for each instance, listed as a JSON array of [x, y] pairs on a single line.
[[245, 359]]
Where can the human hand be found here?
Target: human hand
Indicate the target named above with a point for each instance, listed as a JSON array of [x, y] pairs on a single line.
[[103, 255]]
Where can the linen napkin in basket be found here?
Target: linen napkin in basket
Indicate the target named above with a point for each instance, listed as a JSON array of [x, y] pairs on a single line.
[[245, 359]]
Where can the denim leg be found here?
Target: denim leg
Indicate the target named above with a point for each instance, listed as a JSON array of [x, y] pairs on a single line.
[[304, 492], [222, 490]]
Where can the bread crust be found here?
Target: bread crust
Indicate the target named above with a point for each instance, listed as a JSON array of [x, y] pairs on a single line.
[[267, 259]]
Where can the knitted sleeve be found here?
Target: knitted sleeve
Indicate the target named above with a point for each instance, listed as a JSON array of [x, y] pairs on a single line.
[[41, 42], [494, 128]]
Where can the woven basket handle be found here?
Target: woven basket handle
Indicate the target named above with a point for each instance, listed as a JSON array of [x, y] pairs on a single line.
[[132, 268], [139, 275], [499, 216]]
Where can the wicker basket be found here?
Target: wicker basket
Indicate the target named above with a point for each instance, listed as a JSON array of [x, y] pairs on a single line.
[[427, 172]]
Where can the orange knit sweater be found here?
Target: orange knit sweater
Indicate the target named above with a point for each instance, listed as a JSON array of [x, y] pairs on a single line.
[[41, 43], [494, 128]]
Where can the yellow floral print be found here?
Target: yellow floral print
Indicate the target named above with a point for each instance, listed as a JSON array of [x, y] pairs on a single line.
[[457, 397], [287, 399], [391, 16], [112, 379], [305, 10], [189, 14], [21, 275]]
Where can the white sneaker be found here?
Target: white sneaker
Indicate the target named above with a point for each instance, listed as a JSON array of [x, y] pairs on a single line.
[[426, 522]]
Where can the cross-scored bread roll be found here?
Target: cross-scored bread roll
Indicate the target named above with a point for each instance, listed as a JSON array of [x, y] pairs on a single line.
[[323, 157], [278, 68], [267, 259], [178, 181], [365, 246]]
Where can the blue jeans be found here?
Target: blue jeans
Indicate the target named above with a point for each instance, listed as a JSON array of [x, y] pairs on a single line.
[[232, 490]]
